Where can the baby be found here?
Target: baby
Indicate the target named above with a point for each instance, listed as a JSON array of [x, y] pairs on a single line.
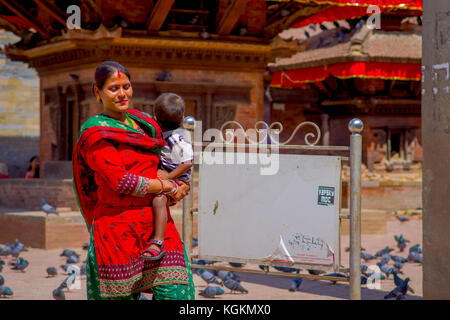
[[176, 160]]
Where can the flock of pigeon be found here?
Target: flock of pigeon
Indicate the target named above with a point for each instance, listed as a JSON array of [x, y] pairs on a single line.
[[231, 281], [20, 264]]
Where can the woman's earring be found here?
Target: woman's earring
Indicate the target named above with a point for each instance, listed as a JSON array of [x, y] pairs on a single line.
[[98, 98]]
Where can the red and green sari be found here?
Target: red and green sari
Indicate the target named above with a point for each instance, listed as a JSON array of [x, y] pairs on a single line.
[[112, 166]]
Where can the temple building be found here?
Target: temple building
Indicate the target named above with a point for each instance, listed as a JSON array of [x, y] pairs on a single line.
[[347, 69]]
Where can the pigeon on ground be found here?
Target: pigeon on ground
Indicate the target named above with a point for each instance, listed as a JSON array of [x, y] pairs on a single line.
[[415, 257], [68, 281], [5, 291], [15, 252], [20, 265], [72, 259], [285, 269], [367, 256], [401, 218], [83, 270], [236, 265], [65, 267], [401, 242], [383, 251], [399, 281], [315, 272], [339, 275], [398, 265], [142, 297], [209, 277], [58, 294], [205, 262], [233, 285], [295, 284], [387, 270], [6, 250], [363, 280], [363, 267], [399, 259], [2, 280], [194, 242], [68, 253], [224, 275], [211, 291], [51, 272], [48, 208], [399, 292], [19, 245], [385, 258], [415, 248]]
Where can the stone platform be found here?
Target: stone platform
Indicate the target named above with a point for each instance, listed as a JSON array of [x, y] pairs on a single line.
[[37, 230]]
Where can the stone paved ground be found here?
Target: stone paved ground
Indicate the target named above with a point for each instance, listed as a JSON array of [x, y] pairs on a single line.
[[34, 285]]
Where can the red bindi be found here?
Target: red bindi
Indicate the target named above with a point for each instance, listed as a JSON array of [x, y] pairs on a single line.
[[118, 74]]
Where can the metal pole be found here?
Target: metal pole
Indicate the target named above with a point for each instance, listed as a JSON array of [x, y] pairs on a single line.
[[188, 201], [355, 126]]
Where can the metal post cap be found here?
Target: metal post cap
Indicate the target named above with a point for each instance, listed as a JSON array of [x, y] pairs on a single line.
[[189, 123], [355, 125]]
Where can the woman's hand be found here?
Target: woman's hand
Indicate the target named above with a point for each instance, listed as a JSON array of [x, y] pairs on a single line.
[[183, 189]]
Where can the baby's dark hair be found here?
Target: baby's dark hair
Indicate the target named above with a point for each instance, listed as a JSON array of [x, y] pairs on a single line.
[[169, 110], [105, 70]]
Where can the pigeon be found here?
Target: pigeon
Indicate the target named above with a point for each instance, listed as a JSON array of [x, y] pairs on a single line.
[[19, 245], [211, 291], [401, 218], [15, 252], [367, 256], [295, 284], [2, 280], [65, 267], [48, 208], [83, 270], [20, 265], [398, 265], [51, 272], [415, 248], [401, 242], [387, 270], [86, 246], [236, 265], [233, 285], [340, 275], [205, 262], [262, 267], [209, 277], [142, 297], [383, 251], [363, 267], [68, 253], [399, 259], [285, 269], [68, 282], [224, 275], [363, 280], [5, 291], [315, 272], [6, 250], [58, 294], [399, 292], [385, 258], [415, 257], [194, 242], [399, 281], [72, 259]]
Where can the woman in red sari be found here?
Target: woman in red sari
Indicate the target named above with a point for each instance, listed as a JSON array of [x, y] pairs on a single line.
[[114, 164]]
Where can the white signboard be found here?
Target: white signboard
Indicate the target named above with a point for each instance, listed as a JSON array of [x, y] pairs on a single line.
[[291, 216]]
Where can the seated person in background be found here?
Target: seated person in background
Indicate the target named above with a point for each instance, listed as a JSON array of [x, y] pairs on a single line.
[[33, 169]]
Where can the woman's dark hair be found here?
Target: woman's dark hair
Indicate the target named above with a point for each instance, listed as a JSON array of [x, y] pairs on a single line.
[[36, 173], [105, 70], [169, 110]]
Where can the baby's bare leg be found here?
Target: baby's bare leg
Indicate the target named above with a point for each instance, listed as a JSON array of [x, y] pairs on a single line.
[[159, 217]]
